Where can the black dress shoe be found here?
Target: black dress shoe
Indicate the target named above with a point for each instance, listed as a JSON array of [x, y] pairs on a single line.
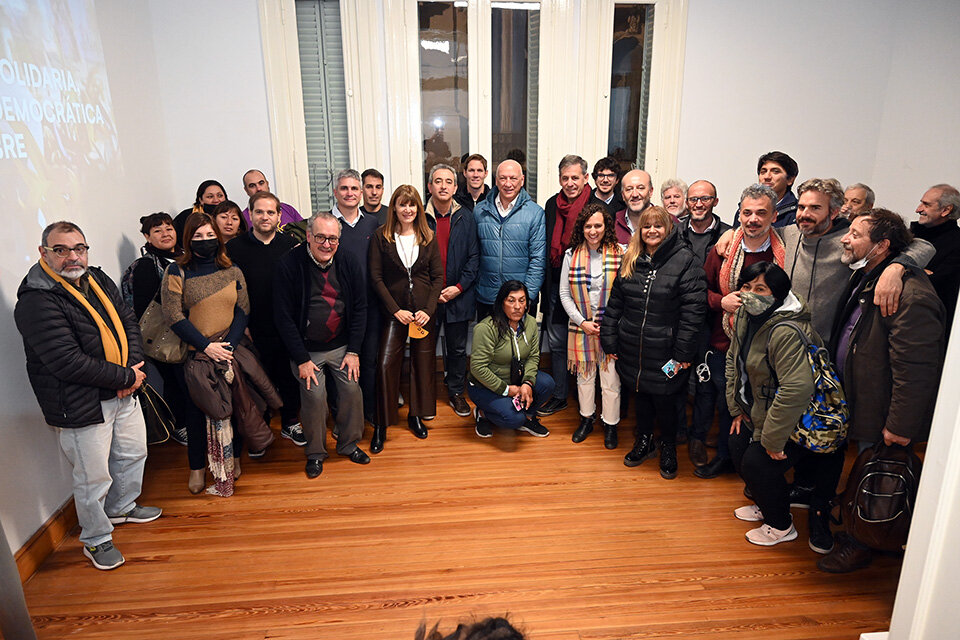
[[417, 427], [610, 436], [314, 468], [714, 468], [359, 456], [586, 426], [643, 449], [697, 451], [551, 406], [379, 435]]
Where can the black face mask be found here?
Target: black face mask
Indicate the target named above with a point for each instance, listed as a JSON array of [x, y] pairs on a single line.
[[205, 248], [208, 208]]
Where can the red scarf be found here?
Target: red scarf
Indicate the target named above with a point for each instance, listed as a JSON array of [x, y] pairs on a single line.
[[567, 213]]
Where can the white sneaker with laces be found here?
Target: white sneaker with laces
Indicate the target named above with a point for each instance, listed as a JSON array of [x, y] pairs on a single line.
[[749, 513]]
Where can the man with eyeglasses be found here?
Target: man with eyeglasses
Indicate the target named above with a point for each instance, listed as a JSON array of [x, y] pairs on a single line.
[[606, 175], [257, 253], [85, 360], [320, 308], [702, 228], [357, 229]]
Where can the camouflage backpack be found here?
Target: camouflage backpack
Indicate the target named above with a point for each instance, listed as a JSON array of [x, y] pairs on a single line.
[[823, 426]]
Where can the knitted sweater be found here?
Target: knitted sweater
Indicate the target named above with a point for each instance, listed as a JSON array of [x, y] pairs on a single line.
[[203, 301]]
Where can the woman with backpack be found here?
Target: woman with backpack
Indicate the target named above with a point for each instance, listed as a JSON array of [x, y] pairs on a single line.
[[770, 383]]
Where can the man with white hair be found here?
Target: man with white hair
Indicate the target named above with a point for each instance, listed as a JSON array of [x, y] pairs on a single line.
[[856, 199], [939, 210], [636, 189]]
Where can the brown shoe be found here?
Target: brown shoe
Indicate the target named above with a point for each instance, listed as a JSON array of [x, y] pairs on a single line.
[[847, 555], [460, 406], [697, 451]]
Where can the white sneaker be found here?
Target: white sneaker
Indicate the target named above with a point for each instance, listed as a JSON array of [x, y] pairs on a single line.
[[767, 536], [749, 513]]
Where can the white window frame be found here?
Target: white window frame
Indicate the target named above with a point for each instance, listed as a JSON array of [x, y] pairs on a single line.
[[383, 86]]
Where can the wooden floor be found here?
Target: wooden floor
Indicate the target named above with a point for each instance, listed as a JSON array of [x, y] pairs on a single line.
[[563, 537]]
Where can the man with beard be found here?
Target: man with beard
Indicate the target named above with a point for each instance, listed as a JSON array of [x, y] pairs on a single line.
[[858, 198], [636, 189], [255, 182], [754, 241], [606, 174], [892, 376], [673, 195]]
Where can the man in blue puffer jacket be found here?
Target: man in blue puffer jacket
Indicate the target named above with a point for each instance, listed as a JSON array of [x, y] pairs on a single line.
[[513, 237]]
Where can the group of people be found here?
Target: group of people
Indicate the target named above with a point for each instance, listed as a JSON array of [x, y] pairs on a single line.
[[312, 318]]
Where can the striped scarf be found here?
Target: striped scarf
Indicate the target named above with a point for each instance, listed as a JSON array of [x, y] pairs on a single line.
[[733, 263], [583, 351]]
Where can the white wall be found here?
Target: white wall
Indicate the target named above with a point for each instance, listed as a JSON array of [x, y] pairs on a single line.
[[859, 90], [212, 94]]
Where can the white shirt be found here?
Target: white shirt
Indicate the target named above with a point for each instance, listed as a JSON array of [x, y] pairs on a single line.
[[408, 249], [336, 214], [504, 211]]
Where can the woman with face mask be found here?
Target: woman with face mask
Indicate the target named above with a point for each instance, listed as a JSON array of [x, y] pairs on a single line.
[[769, 386], [204, 298], [651, 325], [210, 193]]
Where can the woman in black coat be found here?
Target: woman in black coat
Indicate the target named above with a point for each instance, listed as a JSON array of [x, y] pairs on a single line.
[[655, 311]]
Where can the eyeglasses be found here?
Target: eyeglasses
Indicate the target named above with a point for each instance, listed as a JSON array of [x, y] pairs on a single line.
[[328, 240], [606, 176], [703, 199], [63, 252]]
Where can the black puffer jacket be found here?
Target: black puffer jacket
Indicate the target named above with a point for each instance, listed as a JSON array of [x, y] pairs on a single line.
[[65, 359], [654, 316]]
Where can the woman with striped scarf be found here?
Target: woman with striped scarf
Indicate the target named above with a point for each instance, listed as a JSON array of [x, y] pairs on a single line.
[[589, 268]]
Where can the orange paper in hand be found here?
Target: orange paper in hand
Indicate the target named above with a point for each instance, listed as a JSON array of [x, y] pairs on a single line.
[[416, 331]]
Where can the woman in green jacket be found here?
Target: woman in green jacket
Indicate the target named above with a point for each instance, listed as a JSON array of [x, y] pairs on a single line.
[[769, 387], [504, 382]]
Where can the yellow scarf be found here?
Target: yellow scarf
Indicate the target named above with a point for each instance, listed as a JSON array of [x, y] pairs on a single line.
[[115, 353]]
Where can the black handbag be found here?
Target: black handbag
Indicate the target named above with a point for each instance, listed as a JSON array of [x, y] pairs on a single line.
[[156, 414]]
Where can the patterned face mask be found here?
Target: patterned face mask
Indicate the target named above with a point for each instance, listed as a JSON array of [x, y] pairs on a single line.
[[755, 304]]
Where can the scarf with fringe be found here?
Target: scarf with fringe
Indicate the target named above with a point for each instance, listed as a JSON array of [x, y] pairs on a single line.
[[583, 352], [733, 263]]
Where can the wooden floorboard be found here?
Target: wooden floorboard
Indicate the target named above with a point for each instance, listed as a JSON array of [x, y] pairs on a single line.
[[563, 537]]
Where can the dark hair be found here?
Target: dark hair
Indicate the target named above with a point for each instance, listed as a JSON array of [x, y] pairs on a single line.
[[204, 186], [371, 172], [194, 221], [776, 278], [609, 232], [62, 226], [224, 207], [152, 220], [488, 629], [789, 164], [608, 163], [498, 315], [887, 225]]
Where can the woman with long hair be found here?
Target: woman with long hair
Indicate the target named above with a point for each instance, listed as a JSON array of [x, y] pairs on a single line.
[[407, 275], [654, 314], [589, 269], [204, 299], [210, 193], [769, 386], [504, 380]]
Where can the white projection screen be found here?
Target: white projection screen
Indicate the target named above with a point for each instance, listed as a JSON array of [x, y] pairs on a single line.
[[58, 138]]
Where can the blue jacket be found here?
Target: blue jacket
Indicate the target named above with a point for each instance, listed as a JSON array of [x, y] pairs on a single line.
[[463, 257], [511, 248]]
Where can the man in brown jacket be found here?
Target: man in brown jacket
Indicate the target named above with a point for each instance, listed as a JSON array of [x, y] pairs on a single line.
[[890, 366]]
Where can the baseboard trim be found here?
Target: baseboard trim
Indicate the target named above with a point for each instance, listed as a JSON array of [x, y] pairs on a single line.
[[42, 543]]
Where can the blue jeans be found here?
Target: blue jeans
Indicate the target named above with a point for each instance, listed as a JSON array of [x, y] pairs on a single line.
[[556, 342], [108, 460], [499, 409]]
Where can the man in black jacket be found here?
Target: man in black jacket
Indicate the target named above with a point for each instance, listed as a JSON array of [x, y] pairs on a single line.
[[257, 253], [456, 233], [939, 210], [320, 309], [85, 361]]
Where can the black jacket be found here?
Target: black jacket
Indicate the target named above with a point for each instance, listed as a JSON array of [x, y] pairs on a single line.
[[258, 262], [654, 316], [65, 359], [701, 243], [291, 300], [945, 265], [463, 262]]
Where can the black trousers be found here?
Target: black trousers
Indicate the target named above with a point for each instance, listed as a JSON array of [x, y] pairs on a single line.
[[658, 408], [276, 362], [454, 352], [764, 477]]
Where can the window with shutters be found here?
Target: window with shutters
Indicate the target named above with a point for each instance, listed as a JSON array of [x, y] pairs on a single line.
[[324, 96]]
